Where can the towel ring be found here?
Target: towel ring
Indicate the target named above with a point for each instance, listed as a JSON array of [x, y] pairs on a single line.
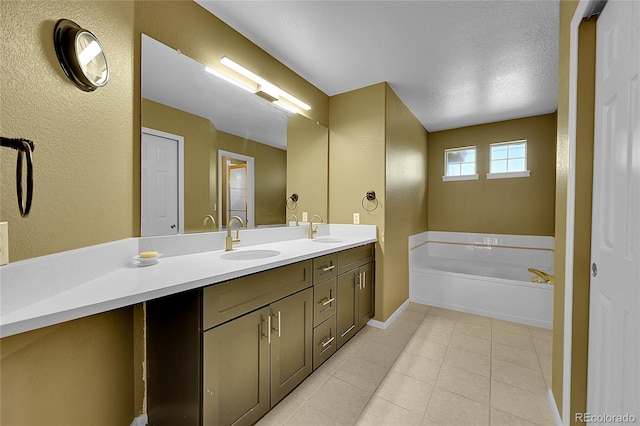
[[294, 202], [370, 196], [25, 149]]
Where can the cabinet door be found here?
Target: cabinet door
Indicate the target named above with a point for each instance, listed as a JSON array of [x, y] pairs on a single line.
[[236, 371], [291, 343], [365, 294], [347, 297]]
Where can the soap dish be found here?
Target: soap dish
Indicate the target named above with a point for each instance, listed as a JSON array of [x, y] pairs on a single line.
[[147, 261]]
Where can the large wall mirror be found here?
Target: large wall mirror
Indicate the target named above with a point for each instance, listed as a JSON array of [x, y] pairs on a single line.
[[226, 147]]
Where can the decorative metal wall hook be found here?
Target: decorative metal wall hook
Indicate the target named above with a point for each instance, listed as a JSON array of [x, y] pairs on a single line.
[[25, 149], [371, 197], [294, 202]]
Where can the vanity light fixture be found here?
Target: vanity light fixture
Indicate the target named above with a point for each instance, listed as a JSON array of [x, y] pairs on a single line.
[[228, 79], [265, 88]]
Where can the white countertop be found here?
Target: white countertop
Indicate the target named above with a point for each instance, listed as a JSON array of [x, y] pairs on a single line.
[[130, 284]]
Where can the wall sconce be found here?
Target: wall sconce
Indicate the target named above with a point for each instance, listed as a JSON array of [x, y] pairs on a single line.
[[260, 86], [81, 55]]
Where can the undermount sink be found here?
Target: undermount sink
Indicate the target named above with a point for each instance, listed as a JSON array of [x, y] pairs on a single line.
[[249, 254], [327, 240]]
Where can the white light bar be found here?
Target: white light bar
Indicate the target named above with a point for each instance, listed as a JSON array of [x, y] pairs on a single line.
[[231, 80], [273, 90]]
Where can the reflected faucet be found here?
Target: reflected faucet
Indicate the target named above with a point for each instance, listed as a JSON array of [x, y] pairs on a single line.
[[541, 276], [209, 218], [229, 241], [295, 217], [311, 230]]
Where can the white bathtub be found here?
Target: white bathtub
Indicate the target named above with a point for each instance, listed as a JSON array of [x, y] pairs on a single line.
[[484, 274]]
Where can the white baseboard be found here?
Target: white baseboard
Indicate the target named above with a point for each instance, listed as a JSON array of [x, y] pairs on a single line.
[[554, 409], [391, 319]]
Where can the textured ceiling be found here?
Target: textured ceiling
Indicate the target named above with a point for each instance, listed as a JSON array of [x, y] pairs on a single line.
[[453, 63]]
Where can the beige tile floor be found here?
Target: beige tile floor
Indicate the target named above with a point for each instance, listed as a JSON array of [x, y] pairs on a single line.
[[432, 366]]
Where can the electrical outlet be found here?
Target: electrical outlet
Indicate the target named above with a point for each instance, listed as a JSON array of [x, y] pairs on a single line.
[[4, 243], [305, 217], [356, 218]]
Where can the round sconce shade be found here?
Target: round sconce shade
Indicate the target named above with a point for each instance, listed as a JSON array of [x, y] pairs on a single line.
[[81, 55]]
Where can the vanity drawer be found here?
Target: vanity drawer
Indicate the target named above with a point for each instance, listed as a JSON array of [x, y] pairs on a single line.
[[324, 341], [228, 300], [324, 267], [355, 257], [324, 302]]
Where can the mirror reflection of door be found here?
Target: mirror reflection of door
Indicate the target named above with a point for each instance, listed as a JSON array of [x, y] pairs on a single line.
[[235, 188], [236, 202], [161, 187]]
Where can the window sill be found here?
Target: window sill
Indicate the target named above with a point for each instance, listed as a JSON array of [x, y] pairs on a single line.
[[459, 178], [509, 175]]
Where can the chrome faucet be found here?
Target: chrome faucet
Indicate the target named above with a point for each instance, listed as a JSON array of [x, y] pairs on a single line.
[[541, 276], [295, 217], [209, 218], [311, 230], [229, 241]]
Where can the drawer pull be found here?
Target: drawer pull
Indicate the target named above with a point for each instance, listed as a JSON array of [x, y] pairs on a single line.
[[328, 268], [364, 279], [269, 328], [348, 331], [328, 301], [278, 323], [328, 342]]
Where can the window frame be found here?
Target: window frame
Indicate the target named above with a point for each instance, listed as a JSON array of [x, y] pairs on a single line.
[[513, 174], [453, 178]]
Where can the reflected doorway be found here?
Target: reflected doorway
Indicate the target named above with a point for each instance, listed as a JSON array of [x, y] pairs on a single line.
[[235, 188]]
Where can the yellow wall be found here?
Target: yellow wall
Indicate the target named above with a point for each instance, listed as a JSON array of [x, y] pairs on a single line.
[[406, 197], [76, 373], [83, 371], [307, 167], [200, 142], [357, 165], [479, 205], [83, 141], [376, 144], [567, 9]]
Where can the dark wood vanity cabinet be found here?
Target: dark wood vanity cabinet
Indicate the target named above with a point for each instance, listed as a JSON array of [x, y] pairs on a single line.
[[252, 362], [227, 353], [355, 291]]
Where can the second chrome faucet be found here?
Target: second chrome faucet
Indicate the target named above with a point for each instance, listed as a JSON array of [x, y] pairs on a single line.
[[230, 241]]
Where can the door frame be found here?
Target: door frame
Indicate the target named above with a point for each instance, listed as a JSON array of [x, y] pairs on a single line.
[[250, 186], [583, 10], [180, 141]]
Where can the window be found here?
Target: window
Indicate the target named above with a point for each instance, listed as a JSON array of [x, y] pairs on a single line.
[[460, 164], [508, 159]]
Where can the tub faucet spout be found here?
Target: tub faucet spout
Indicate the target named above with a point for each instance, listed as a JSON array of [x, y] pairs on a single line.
[[541, 276]]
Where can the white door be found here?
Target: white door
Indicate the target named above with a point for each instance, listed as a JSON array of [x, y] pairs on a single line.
[[159, 185], [614, 323]]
